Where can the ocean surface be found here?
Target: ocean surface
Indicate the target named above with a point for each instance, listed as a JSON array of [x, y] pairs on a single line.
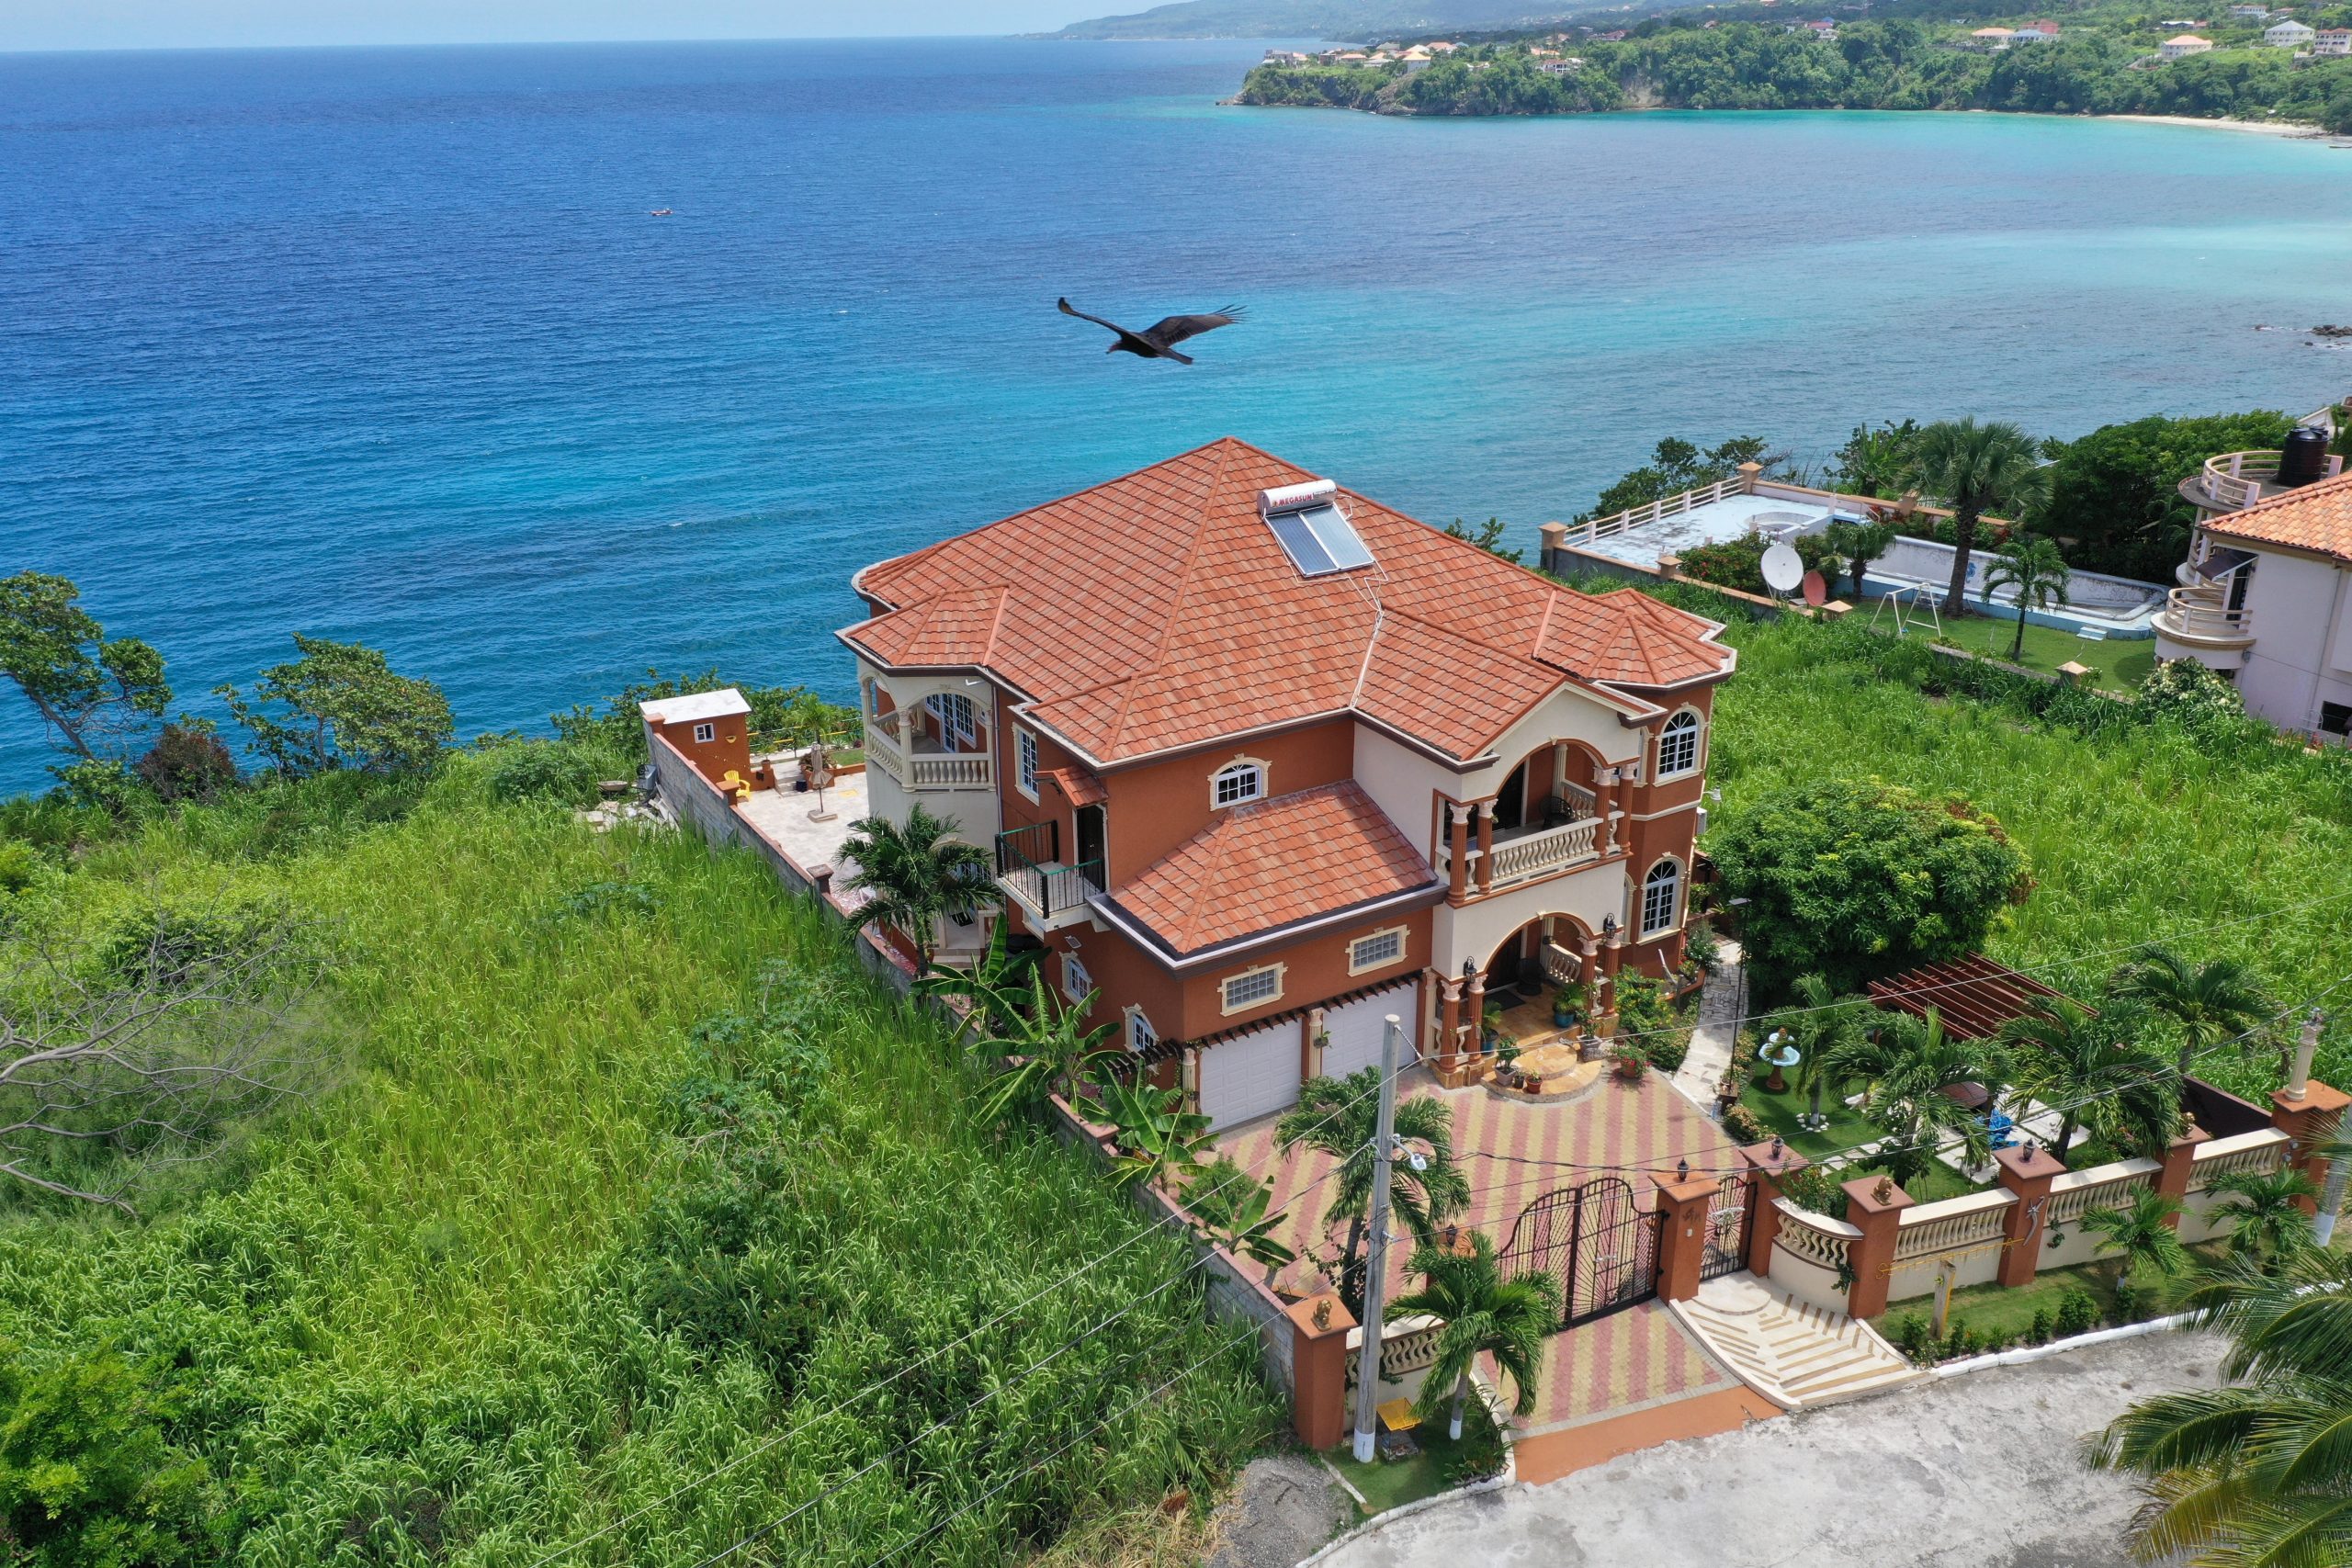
[[385, 345]]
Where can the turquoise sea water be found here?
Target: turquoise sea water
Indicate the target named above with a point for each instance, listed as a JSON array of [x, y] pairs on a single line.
[[384, 345]]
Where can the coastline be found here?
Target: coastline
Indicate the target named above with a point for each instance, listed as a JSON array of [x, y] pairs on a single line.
[[2299, 129]]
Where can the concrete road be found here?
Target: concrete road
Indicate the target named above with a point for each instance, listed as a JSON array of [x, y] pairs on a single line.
[[1973, 1471]]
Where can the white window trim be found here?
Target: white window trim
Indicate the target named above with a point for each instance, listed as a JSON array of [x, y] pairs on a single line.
[[1697, 745], [1674, 906], [705, 733], [1229, 1007], [1075, 966], [941, 704], [1265, 782], [1025, 757], [1138, 1024], [1404, 940]]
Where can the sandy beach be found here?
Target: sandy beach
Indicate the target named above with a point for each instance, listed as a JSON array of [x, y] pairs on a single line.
[[2259, 127]]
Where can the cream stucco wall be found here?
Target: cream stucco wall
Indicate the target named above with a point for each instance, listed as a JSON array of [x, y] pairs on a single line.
[[2301, 657]]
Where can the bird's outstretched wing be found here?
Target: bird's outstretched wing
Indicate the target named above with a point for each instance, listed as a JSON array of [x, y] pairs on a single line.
[[1068, 308], [1174, 329]]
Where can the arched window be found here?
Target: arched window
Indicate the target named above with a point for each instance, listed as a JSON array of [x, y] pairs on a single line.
[[1241, 779], [1661, 891], [1678, 745]]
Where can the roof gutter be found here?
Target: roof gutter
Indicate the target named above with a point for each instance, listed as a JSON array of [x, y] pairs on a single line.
[[1127, 925]]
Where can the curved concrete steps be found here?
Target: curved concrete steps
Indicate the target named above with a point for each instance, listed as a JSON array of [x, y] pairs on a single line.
[[1793, 1353]]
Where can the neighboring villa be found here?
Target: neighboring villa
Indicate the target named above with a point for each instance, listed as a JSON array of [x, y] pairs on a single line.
[[1262, 761], [2183, 46], [2289, 34], [2331, 40], [2267, 592]]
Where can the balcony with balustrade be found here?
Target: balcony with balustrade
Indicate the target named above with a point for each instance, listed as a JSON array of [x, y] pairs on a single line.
[[915, 760], [2199, 622], [2236, 480]]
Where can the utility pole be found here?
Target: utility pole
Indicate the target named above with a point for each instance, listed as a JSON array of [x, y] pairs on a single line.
[[1375, 1271], [2339, 1169]]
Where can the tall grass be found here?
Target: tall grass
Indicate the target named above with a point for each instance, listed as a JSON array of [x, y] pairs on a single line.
[[501, 1286], [2135, 831]]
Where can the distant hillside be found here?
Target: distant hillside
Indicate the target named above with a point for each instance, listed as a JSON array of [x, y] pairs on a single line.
[[1314, 18]]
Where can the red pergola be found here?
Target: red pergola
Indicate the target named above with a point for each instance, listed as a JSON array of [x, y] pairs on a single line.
[[1974, 995]]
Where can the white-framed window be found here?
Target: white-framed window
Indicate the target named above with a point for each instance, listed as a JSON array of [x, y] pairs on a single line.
[[1242, 779], [1377, 950], [958, 720], [1678, 745], [1661, 893], [1141, 1035], [1253, 987], [1025, 756], [704, 734], [1076, 981]]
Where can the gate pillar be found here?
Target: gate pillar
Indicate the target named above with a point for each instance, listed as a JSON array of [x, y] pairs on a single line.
[[1685, 1215], [1770, 1163], [1318, 1367]]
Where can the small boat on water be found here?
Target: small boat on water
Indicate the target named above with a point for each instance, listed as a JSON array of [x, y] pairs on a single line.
[[659, 212]]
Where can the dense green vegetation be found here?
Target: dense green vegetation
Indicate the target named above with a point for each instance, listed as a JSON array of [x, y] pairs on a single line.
[[2100, 65], [626, 1169]]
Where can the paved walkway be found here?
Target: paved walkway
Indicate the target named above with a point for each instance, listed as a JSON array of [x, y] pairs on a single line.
[[1718, 1031], [1973, 1471]]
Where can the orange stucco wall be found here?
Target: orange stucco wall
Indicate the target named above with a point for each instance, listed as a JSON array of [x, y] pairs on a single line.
[[729, 746], [1158, 806]]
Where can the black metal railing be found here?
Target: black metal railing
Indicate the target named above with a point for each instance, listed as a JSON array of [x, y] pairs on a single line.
[[1048, 887]]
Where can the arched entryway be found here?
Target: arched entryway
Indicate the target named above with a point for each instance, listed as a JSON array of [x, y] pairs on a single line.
[[1551, 784], [1514, 997]]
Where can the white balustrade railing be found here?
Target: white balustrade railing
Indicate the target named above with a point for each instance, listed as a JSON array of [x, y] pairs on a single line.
[[1814, 1238], [1642, 516], [2204, 611], [2077, 1193], [1406, 1344], [882, 750], [2235, 479], [954, 769], [1536, 853], [1952, 1224], [2263, 1150]]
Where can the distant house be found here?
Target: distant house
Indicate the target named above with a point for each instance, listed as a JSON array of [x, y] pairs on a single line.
[[1567, 67], [2249, 13], [1287, 57], [2331, 40], [1823, 28], [1615, 37], [2036, 32], [2182, 47], [2289, 34], [1993, 38]]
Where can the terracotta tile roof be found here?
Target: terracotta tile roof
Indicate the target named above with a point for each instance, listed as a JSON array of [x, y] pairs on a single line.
[[1258, 868], [2315, 517], [1081, 787], [1158, 611]]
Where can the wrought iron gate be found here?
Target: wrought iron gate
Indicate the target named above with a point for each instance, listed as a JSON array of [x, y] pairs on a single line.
[[1592, 1239], [1728, 1218]]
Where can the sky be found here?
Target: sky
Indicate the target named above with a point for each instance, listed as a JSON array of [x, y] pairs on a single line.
[[247, 24]]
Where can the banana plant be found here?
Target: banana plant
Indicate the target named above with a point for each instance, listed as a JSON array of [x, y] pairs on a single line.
[[1156, 1136], [1228, 1206]]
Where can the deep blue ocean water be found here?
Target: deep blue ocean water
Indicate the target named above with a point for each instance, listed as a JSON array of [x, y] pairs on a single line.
[[384, 345]]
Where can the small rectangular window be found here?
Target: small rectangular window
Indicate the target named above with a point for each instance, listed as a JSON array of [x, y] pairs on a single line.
[[1253, 987], [2336, 718], [1375, 951], [1076, 981], [1025, 751], [705, 733]]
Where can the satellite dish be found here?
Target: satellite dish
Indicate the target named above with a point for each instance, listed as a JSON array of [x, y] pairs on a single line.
[[1783, 570]]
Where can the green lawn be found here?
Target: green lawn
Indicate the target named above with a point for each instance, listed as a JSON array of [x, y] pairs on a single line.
[[1778, 1114], [1994, 1309], [1391, 1484], [2119, 665]]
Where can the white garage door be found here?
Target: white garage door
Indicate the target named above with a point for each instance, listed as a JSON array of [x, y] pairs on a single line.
[[1250, 1075], [1356, 1027]]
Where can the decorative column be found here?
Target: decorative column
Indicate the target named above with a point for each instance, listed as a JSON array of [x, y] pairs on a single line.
[[1875, 1206], [1604, 805], [1475, 1006], [1318, 1368], [1458, 853], [1749, 474], [2311, 1123], [1555, 539], [1449, 1026], [2027, 1172], [1486, 847], [2180, 1163], [1768, 1164], [1683, 1203], [1310, 1054]]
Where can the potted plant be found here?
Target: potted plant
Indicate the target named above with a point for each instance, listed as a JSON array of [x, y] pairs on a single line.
[[1629, 1063], [1567, 1005], [1493, 1024]]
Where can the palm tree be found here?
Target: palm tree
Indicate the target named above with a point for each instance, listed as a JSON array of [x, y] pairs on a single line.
[[1857, 545], [2038, 573], [2211, 1002], [1230, 1205], [2141, 1230], [2064, 1055], [1975, 468], [914, 873], [2256, 1470], [1339, 1117], [1049, 1046], [2266, 1206], [1912, 1063], [1506, 1319], [1820, 1024]]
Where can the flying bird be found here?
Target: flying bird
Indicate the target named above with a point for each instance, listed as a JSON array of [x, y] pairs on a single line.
[[1159, 339]]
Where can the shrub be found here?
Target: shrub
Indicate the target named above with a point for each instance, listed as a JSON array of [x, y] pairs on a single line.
[[1912, 1335], [2077, 1314], [2038, 1332], [20, 862], [1481, 1454], [1667, 1051], [1817, 1188], [1741, 1125], [540, 770], [88, 1476], [188, 763], [2194, 698]]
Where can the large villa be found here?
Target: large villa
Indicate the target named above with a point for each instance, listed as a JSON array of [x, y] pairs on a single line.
[[1262, 761]]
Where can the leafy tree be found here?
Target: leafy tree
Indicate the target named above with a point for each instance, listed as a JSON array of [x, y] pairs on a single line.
[[1156, 1136], [2199, 700], [2037, 574], [2264, 1207], [1489, 537], [914, 873], [1877, 459], [345, 708], [1048, 1046], [1974, 468], [1233, 1206], [2210, 1002], [2095, 1069], [2115, 493], [1484, 1313], [1338, 1117], [2140, 1231], [90, 691], [2256, 1469], [1853, 881], [1857, 545], [89, 1477]]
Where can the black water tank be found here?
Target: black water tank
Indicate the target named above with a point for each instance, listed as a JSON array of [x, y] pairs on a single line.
[[2304, 458]]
